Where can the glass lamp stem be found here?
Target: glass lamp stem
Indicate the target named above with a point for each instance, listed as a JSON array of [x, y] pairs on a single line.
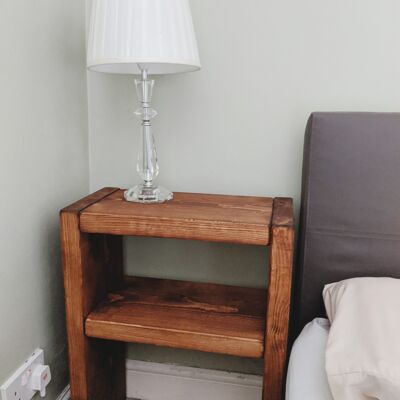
[[147, 164]]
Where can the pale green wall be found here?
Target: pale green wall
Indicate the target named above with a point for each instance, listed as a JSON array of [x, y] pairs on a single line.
[[237, 126], [43, 167], [203, 262]]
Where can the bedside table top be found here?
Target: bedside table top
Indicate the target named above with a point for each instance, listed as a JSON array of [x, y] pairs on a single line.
[[209, 217]]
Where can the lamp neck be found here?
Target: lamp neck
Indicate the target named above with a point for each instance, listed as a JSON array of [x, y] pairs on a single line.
[[146, 88], [144, 74]]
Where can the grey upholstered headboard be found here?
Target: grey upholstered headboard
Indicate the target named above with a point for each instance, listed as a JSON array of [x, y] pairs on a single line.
[[350, 213]]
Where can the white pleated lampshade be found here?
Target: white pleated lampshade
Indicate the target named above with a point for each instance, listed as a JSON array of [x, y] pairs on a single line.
[[157, 35]]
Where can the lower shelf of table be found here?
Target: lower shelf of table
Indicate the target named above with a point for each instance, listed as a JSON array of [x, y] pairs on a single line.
[[198, 316]]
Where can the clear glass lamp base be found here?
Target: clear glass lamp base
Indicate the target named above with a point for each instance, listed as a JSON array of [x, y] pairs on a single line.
[[148, 194]]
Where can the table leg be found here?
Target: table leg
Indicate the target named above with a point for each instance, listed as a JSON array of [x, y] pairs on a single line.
[[92, 266], [278, 299]]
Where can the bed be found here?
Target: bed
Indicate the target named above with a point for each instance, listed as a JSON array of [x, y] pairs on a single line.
[[349, 222]]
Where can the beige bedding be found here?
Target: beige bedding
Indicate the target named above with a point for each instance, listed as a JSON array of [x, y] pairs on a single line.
[[363, 349]]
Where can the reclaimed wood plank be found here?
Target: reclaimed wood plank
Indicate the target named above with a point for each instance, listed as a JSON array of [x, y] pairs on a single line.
[[278, 299], [217, 218], [92, 265], [198, 316]]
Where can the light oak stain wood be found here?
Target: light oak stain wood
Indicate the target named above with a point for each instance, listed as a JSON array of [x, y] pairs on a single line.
[[92, 266], [198, 316], [278, 299], [217, 218]]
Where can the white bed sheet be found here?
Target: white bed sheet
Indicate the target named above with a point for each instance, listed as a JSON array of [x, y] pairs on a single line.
[[306, 379]]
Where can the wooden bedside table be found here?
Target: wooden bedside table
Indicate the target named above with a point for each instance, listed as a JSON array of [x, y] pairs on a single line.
[[105, 309]]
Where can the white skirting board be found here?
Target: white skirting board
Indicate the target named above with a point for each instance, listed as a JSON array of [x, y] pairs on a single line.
[[154, 381], [65, 394]]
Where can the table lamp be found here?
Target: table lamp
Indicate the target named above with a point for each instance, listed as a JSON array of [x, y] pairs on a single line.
[[143, 37]]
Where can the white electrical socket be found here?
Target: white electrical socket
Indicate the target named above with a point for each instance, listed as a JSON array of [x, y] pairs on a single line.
[[23, 384]]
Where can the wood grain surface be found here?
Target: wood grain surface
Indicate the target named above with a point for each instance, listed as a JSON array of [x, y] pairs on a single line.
[[104, 309], [278, 299], [198, 316], [92, 266], [217, 218]]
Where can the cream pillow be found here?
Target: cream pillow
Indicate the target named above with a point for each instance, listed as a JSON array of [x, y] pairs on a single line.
[[363, 349]]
